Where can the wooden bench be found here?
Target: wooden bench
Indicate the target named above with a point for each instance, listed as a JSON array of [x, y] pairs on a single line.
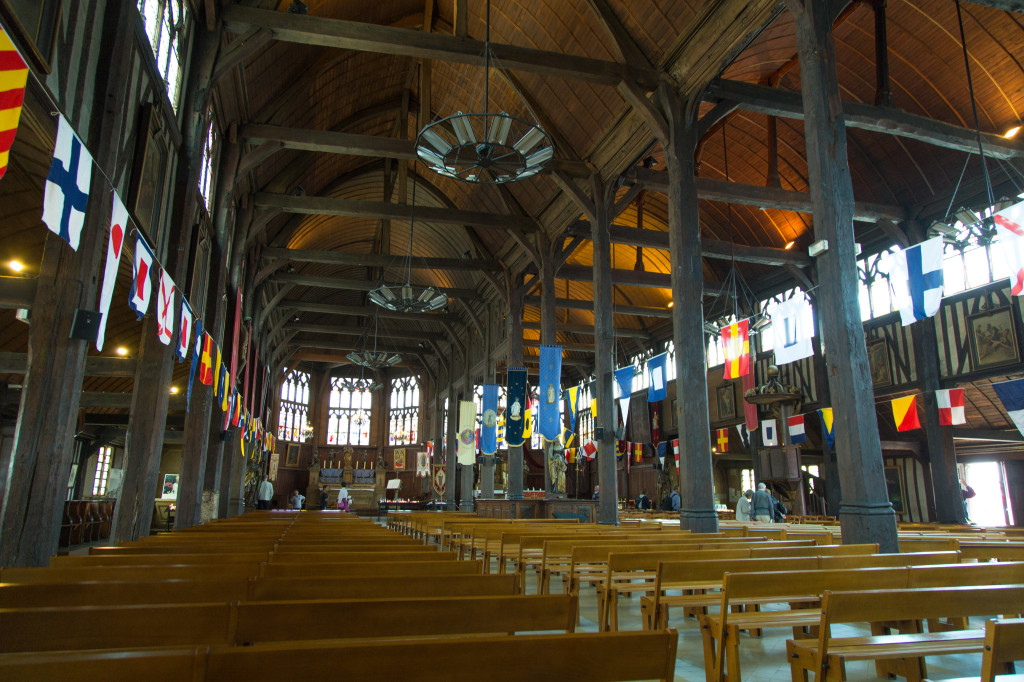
[[902, 654], [244, 623], [384, 569], [600, 657], [1004, 644]]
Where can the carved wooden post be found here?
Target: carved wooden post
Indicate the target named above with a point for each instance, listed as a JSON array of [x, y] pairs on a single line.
[[604, 350], [487, 461], [453, 433], [865, 513], [47, 417], [697, 504], [515, 359]]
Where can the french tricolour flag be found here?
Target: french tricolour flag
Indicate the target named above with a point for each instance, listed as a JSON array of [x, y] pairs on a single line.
[[796, 429], [1011, 393]]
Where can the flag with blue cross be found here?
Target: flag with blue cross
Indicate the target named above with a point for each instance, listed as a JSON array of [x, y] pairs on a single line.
[[67, 186]]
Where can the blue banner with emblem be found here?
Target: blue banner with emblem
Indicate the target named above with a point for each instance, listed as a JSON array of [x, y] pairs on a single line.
[[489, 420], [550, 392], [515, 409]]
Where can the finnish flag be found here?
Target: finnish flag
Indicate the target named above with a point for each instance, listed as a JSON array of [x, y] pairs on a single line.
[[915, 275], [66, 193]]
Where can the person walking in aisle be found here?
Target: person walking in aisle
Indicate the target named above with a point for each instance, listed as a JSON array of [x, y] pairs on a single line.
[[743, 506], [762, 506], [265, 493]]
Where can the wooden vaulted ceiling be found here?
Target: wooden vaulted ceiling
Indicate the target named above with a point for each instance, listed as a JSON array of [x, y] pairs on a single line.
[[302, 86]]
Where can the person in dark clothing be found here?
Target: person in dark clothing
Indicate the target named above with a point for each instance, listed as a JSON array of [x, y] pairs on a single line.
[[643, 503], [323, 499]]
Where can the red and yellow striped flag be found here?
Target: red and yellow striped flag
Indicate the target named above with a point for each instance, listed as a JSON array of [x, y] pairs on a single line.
[[736, 343], [13, 74]]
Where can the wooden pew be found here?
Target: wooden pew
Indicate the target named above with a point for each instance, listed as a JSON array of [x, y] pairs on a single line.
[[1004, 644], [600, 657], [158, 559], [385, 569], [901, 654], [51, 576], [244, 623]]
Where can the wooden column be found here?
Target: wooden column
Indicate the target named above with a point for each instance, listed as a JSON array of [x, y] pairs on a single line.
[[438, 430], [515, 359], [696, 480], [604, 351], [44, 445], [865, 513], [452, 435], [830, 467], [487, 461]]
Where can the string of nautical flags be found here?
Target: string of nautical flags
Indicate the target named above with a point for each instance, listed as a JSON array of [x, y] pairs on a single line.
[[66, 196]]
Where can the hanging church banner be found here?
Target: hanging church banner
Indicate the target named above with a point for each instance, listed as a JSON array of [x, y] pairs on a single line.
[[399, 459], [66, 193], [438, 479], [118, 224], [516, 410], [466, 451], [790, 329], [550, 392], [423, 460], [489, 420], [657, 390]]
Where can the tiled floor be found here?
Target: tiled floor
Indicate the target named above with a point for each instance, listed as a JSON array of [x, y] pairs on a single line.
[[762, 659]]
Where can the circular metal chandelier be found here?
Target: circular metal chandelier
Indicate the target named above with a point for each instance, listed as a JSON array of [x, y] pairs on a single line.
[[408, 298], [488, 147], [373, 359]]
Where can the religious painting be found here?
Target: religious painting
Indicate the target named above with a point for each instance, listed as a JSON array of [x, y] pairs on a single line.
[[169, 491], [291, 459], [726, 394], [878, 363], [894, 486], [36, 23], [399, 459], [146, 189], [993, 339]]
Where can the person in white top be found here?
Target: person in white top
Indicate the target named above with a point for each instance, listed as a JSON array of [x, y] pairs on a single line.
[[343, 499], [265, 493], [743, 506]]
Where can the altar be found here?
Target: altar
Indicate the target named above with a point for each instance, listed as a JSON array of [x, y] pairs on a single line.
[[543, 508]]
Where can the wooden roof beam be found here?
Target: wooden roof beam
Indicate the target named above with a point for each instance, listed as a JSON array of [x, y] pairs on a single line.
[[581, 304], [355, 284], [17, 292], [95, 366], [365, 311], [588, 330], [710, 248], [379, 209], [634, 278], [789, 104], [390, 332], [374, 260], [363, 37], [763, 197]]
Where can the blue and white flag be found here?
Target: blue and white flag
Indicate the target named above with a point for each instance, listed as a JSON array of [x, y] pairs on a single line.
[[550, 392], [67, 185], [1011, 393], [792, 328], [769, 432], [195, 361], [516, 406], [658, 385], [624, 382], [489, 420], [915, 275]]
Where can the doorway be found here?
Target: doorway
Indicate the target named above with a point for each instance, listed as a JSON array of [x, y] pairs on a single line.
[[990, 504]]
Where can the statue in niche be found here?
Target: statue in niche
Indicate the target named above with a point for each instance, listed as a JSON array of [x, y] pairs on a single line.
[[556, 468], [514, 409], [347, 473]]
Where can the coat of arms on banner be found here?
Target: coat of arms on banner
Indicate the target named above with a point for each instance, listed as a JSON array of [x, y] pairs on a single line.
[[399, 459], [438, 479]]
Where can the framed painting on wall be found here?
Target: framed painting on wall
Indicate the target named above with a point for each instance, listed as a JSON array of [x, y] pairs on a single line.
[[726, 400], [291, 459], [170, 488], [993, 338], [878, 363], [894, 486]]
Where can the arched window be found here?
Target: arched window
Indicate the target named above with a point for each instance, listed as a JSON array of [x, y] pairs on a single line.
[[584, 415], [404, 412], [349, 411], [294, 406]]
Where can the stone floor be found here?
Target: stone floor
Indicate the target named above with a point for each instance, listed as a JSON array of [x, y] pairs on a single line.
[[762, 659]]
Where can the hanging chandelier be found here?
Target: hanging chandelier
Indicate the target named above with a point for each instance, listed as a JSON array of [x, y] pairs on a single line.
[[484, 146], [408, 298], [374, 359]]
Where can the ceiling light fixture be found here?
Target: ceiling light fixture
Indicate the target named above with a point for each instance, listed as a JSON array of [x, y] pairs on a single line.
[[790, 245], [1012, 132], [16, 265], [485, 146], [374, 359], [174, 390], [122, 351]]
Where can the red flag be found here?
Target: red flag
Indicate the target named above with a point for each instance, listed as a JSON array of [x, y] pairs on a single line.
[[736, 343], [723, 440], [205, 361]]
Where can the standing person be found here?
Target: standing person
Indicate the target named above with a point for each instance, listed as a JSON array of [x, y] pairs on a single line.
[[643, 503], [743, 506], [293, 500], [265, 493], [323, 499], [674, 501], [343, 499], [597, 492], [762, 506]]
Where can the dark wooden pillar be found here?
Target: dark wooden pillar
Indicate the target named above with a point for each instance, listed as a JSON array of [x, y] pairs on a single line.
[[439, 426], [696, 479], [487, 461], [865, 513], [604, 350], [830, 467], [452, 435], [44, 445], [515, 359], [883, 93], [548, 337]]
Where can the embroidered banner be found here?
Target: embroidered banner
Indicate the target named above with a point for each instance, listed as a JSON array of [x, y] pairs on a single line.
[[489, 420], [467, 433], [399, 459], [550, 392], [516, 411], [423, 461]]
